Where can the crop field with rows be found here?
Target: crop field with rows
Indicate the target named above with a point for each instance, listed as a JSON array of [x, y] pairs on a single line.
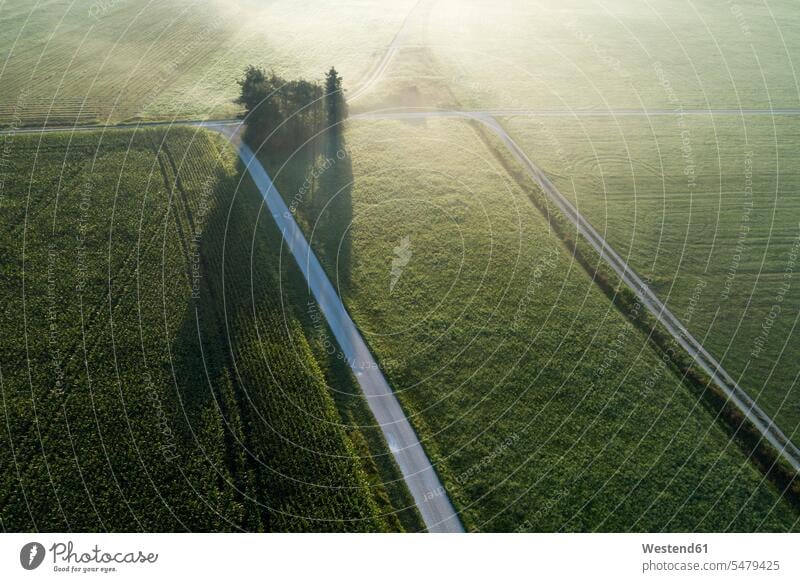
[[155, 376]]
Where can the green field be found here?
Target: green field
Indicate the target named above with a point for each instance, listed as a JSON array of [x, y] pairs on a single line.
[[572, 54], [542, 406], [162, 367], [707, 210], [115, 60], [702, 206], [156, 373]]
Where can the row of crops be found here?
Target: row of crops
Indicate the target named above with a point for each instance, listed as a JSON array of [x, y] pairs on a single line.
[[153, 376]]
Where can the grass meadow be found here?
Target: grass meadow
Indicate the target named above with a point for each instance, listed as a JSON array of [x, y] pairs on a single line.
[[574, 54], [543, 408], [109, 61], [706, 208]]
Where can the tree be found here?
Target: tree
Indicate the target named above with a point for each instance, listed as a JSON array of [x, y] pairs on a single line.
[[335, 104], [252, 85], [285, 114]]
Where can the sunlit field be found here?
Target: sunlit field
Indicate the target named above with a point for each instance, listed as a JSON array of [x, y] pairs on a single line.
[[710, 216], [615, 54], [111, 61]]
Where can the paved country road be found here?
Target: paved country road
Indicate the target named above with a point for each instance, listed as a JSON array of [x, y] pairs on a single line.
[[415, 114], [434, 505], [429, 495], [406, 114], [97, 127]]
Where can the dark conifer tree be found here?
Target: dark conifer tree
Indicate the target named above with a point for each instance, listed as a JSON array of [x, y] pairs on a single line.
[[336, 106]]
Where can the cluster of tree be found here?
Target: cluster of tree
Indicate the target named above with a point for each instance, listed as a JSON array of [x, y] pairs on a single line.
[[283, 114]]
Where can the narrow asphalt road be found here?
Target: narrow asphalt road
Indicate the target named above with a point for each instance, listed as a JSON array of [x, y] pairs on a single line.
[[133, 125], [412, 114], [418, 473], [423, 113]]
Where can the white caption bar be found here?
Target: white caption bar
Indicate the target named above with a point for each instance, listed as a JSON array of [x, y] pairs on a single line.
[[399, 557]]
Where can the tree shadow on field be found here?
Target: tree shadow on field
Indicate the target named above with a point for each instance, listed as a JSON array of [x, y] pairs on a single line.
[[239, 336], [206, 399], [335, 194], [249, 307], [316, 182]]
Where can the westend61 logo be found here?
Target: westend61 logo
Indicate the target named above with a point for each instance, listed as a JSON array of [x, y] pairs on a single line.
[[67, 559]]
